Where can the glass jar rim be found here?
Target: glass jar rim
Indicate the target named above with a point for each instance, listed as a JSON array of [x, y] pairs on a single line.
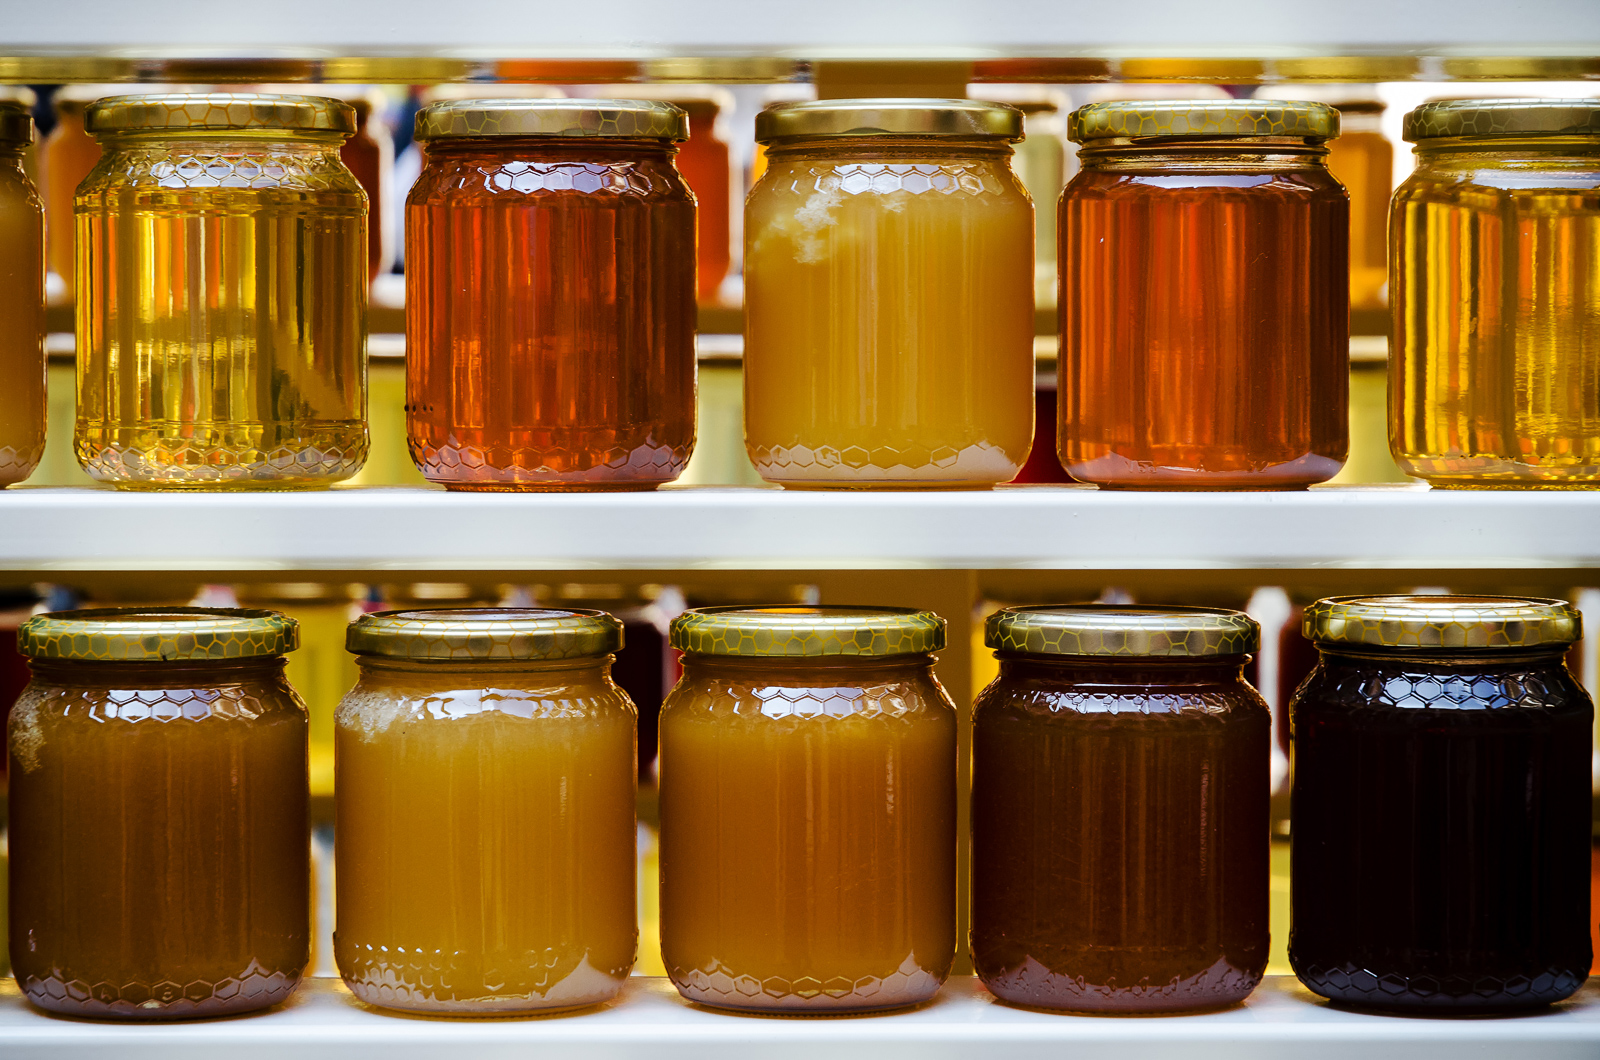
[[482, 634], [210, 112], [623, 119], [1424, 623], [1502, 119], [1203, 119], [806, 632], [910, 117], [1122, 630], [157, 634]]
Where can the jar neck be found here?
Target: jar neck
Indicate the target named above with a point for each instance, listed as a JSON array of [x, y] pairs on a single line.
[[224, 142], [1478, 151], [11, 151], [1125, 670], [138, 674], [551, 148], [814, 670], [1356, 656], [1252, 153], [880, 148], [595, 664]]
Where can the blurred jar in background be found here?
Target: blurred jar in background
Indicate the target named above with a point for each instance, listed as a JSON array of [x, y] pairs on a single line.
[[1040, 163], [22, 296], [67, 156]]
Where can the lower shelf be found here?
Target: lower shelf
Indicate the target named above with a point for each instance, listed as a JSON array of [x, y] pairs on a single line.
[[1279, 1021]]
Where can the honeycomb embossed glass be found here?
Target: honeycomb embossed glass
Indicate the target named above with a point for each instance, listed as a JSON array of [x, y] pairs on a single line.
[[160, 850], [1441, 805], [222, 291], [550, 296], [485, 812], [1204, 297], [808, 810], [1495, 376], [1120, 810], [22, 324], [888, 296]]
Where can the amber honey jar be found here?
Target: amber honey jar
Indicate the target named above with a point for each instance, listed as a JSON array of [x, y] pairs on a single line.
[[1441, 806], [22, 321], [1204, 297], [550, 296], [485, 812], [1120, 810], [1495, 295], [160, 847], [222, 291], [808, 810]]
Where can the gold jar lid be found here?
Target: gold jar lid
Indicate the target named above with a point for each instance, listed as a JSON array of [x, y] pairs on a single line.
[[954, 119], [157, 634], [1503, 118], [219, 112], [1203, 119], [806, 632], [1442, 623], [522, 634], [1123, 630], [625, 119], [16, 124]]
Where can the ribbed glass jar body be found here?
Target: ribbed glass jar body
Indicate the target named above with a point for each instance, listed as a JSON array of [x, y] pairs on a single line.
[[1494, 375], [160, 848], [550, 320], [1120, 833], [1441, 841], [1204, 315], [22, 323], [808, 833], [888, 315], [486, 835], [222, 293]]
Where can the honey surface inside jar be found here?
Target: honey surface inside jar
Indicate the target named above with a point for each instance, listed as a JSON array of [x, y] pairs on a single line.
[[22, 325], [808, 834], [486, 836]]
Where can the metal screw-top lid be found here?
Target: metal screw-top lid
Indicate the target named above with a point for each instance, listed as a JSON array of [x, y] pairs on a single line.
[[629, 119], [220, 112], [1203, 119], [807, 632], [524, 634], [16, 123], [1503, 118], [1442, 623], [1124, 630], [163, 634], [954, 119]]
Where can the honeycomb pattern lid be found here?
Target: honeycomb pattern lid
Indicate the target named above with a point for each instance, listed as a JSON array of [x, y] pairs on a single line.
[[1126, 630], [220, 112], [16, 124], [522, 634], [956, 119], [1203, 118], [632, 119], [807, 632], [157, 634], [1442, 623], [1503, 118]]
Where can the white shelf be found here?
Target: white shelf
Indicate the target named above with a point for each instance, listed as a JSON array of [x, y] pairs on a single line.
[[1280, 1020], [1061, 528]]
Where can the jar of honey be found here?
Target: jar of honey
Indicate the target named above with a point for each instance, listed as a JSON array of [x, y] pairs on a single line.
[[1441, 805], [888, 296], [22, 322], [1495, 294], [484, 802], [1204, 297], [160, 845], [222, 291], [550, 296], [808, 810], [1120, 810]]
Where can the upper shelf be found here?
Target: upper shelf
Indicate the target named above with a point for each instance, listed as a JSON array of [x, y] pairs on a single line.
[[1060, 528]]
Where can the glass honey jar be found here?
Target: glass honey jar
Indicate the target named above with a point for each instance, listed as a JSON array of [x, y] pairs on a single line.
[[808, 810], [485, 812], [888, 296], [1495, 295], [550, 296], [1120, 810], [1440, 848], [1204, 297], [222, 285], [160, 845], [22, 320]]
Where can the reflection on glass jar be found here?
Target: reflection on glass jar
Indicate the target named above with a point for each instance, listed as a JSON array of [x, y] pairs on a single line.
[[485, 812], [888, 296], [1494, 379], [1441, 805], [1204, 297], [160, 850], [1119, 810], [808, 810], [22, 323], [222, 279]]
